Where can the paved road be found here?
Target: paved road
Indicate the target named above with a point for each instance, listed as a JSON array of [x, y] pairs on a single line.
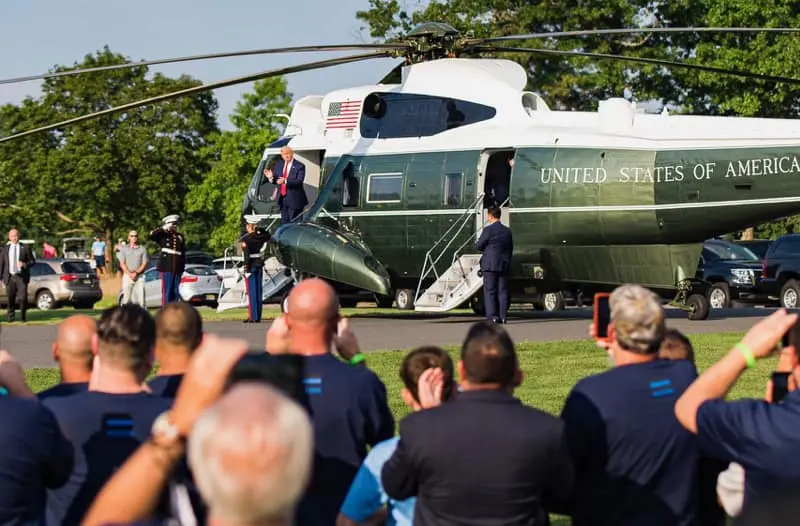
[[32, 344]]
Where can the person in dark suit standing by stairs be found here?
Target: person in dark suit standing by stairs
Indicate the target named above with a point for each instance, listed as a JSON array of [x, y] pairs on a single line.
[[497, 245], [15, 262]]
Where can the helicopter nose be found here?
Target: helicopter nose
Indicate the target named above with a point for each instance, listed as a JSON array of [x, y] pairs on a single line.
[[324, 252]]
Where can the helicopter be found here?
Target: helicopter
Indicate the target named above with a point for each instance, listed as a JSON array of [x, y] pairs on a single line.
[[398, 175]]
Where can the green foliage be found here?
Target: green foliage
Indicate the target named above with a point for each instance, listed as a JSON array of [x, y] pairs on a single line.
[[234, 157], [106, 175]]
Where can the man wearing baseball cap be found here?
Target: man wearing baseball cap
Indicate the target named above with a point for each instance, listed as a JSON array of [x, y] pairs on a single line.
[[172, 259]]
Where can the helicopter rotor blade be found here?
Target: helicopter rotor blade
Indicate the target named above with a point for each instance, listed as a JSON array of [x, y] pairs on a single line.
[[638, 30], [641, 60], [295, 49], [204, 87]]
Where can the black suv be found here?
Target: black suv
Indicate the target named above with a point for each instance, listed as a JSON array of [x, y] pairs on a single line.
[[759, 247], [732, 272], [780, 272]]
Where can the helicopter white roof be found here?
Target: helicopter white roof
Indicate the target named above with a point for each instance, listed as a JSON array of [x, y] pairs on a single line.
[[524, 119]]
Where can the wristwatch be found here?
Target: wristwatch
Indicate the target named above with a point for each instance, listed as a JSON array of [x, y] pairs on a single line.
[[164, 433]]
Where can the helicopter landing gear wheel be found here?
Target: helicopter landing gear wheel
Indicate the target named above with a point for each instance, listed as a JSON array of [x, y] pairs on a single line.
[[698, 307]]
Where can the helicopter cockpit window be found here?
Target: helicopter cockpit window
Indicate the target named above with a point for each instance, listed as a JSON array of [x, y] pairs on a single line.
[[384, 188], [452, 188], [350, 184], [411, 115]]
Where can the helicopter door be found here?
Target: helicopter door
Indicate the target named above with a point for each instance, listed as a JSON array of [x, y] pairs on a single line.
[[494, 180], [312, 159]]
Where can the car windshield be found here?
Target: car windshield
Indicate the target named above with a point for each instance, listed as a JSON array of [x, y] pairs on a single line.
[[730, 251], [76, 267]]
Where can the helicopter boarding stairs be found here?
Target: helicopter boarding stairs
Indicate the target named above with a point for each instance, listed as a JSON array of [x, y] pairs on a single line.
[[276, 279], [461, 280]]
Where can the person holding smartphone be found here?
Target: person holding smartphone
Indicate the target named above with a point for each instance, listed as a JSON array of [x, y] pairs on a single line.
[[760, 436]]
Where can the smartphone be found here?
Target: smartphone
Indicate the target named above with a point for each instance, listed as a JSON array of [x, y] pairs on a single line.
[[780, 386], [790, 337], [602, 315]]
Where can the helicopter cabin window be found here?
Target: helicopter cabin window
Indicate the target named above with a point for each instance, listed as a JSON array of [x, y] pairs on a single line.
[[398, 115], [452, 188], [385, 188], [350, 186]]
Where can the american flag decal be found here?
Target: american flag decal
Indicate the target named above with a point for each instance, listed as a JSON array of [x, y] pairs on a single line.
[[343, 114]]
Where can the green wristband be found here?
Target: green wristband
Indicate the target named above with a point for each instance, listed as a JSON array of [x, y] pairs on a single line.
[[747, 354], [357, 359]]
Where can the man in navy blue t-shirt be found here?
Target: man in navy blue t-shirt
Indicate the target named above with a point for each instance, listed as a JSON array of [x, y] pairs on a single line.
[[634, 462], [179, 331], [762, 437], [348, 401], [72, 350], [108, 422], [34, 454]]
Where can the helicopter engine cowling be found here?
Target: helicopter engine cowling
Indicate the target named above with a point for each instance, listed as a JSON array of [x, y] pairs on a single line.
[[322, 251]]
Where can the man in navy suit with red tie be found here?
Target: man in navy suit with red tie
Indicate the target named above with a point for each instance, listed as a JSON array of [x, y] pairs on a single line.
[[289, 174]]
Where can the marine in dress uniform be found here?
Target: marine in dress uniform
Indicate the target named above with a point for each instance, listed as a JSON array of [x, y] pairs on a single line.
[[172, 260], [252, 243]]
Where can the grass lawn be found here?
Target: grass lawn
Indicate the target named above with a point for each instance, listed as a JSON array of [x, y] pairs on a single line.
[[551, 369]]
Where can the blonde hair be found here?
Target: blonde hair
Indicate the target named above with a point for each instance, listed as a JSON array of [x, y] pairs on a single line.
[[638, 319]]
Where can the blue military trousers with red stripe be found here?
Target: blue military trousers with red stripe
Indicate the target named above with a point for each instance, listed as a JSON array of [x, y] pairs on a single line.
[[255, 284], [170, 287]]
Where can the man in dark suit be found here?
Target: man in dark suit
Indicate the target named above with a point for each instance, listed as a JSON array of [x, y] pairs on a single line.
[[497, 244], [15, 262], [291, 194], [483, 458]]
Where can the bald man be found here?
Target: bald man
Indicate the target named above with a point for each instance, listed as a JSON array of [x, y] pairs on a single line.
[[289, 174], [179, 332], [348, 401], [72, 350]]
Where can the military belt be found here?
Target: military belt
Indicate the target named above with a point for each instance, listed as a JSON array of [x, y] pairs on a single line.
[[170, 251]]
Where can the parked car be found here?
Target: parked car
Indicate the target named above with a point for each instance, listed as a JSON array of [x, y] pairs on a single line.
[[758, 246], [57, 282], [780, 272], [78, 248], [193, 257], [199, 285], [734, 272], [228, 269]]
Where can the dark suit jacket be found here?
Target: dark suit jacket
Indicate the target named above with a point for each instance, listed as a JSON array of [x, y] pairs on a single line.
[[25, 255], [295, 193], [497, 245], [483, 458]]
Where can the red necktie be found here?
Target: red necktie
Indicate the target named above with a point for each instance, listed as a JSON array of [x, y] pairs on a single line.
[[285, 171]]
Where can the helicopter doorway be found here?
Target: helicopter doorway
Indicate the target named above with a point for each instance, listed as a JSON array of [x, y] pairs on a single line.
[[494, 180], [312, 159]]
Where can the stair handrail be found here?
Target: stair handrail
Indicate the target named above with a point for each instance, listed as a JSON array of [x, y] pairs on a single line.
[[457, 253], [429, 264]]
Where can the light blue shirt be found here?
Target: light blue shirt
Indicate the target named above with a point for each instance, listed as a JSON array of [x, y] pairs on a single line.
[[366, 495], [99, 248]]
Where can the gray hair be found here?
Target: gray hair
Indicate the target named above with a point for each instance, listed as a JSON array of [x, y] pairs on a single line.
[[251, 455], [638, 319]]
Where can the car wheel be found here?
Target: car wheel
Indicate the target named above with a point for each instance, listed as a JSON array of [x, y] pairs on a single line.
[[553, 301], [45, 300], [790, 294], [698, 305], [719, 296], [348, 303], [404, 299]]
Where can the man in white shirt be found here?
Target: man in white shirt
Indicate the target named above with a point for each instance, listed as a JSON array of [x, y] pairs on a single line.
[[15, 262]]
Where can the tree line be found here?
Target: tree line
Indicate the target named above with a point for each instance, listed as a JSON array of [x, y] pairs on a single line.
[[128, 170]]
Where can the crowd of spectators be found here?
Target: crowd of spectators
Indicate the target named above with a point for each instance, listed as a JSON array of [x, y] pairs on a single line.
[[303, 434]]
